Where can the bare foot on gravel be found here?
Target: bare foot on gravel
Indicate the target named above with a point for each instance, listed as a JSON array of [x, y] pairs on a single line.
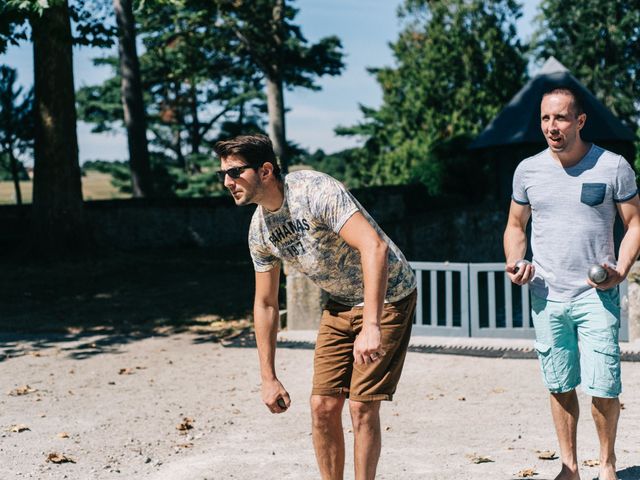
[[567, 474], [607, 472]]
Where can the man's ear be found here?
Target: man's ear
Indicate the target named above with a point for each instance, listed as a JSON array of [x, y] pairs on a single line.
[[582, 119], [267, 169]]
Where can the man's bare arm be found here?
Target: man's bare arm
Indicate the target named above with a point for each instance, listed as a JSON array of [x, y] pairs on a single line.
[[515, 243], [359, 234], [266, 318]]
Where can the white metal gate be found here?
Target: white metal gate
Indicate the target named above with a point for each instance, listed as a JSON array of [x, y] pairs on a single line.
[[478, 300], [431, 303]]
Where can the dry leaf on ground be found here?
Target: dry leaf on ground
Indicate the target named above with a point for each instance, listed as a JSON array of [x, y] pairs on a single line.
[[527, 473], [591, 463], [59, 458], [479, 459], [24, 390], [186, 424], [547, 455], [18, 428]]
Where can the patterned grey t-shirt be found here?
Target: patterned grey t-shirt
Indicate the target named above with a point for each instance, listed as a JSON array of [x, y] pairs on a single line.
[[304, 233], [572, 215]]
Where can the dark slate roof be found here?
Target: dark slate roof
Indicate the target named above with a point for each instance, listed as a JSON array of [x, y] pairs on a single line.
[[519, 121]]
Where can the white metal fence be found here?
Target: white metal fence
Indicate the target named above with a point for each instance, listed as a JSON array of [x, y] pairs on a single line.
[[478, 300]]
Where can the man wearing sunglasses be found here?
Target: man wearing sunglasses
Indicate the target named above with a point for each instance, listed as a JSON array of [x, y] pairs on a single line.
[[312, 223]]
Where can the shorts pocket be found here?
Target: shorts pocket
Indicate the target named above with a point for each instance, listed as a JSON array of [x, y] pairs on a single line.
[[549, 373], [606, 371], [593, 193]]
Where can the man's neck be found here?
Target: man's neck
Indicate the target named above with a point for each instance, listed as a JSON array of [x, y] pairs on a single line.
[[273, 196], [573, 157]]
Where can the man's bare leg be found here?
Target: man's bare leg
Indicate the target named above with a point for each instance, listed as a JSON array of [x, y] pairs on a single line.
[[328, 438], [565, 410], [365, 417], [605, 412]]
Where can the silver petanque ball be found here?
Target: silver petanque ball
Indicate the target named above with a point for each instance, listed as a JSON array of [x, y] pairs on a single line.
[[520, 264], [597, 274]]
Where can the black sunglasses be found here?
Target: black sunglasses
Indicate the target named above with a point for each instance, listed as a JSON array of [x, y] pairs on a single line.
[[233, 172]]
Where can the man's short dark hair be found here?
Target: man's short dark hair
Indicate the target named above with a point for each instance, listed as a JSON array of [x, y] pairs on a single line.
[[254, 149], [578, 105]]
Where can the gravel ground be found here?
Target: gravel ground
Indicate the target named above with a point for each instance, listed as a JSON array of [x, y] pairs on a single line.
[[183, 407]]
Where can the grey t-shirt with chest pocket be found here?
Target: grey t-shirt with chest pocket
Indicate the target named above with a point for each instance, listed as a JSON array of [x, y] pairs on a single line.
[[305, 234], [572, 213]]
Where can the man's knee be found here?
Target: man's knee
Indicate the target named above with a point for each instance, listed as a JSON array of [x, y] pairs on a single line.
[[565, 397], [325, 408], [605, 404], [363, 411]]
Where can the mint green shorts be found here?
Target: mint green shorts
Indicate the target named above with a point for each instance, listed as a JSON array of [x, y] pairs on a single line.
[[577, 343]]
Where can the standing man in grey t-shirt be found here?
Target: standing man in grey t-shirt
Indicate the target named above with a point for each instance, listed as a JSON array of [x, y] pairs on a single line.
[[572, 191], [310, 221]]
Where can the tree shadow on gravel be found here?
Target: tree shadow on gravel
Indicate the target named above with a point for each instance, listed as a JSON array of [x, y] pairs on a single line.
[[93, 305]]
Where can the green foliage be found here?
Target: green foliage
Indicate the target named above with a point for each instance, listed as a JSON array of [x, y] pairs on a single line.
[[87, 17], [201, 182], [346, 165], [5, 169], [278, 48], [16, 121], [458, 63], [600, 43]]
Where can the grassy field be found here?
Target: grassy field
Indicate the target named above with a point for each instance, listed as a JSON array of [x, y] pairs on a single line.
[[95, 186]]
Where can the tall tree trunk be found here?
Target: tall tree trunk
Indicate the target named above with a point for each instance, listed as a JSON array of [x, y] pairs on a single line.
[[16, 175], [132, 100], [275, 106], [58, 221], [275, 89]]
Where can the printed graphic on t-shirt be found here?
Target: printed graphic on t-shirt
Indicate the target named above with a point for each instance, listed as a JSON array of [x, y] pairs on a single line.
[[290, 236]]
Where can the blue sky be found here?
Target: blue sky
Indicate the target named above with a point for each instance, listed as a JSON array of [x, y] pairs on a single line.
[[365, 28]]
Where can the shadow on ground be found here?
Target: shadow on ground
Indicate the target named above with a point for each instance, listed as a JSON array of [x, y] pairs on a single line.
[[95, 304], [629, 473]]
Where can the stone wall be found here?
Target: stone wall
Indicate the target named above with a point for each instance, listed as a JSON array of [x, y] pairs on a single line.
[[424, 228]]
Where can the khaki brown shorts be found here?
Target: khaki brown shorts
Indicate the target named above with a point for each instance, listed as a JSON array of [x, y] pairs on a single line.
[[334, 372]]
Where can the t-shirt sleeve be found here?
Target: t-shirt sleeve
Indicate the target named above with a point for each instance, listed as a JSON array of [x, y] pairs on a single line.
[[262, 256], [331, 203], [519, 193], [625, 187]]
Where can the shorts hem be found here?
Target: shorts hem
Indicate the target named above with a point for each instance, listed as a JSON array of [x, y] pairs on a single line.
[[376, 397], [563, 389], [331, 392], [594, 392]]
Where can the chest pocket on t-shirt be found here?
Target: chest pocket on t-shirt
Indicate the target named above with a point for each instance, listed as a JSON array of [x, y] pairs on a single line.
[[593, 193]]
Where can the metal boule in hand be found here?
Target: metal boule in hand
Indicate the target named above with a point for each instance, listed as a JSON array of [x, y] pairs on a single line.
[[598, 274], [520, 264]]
